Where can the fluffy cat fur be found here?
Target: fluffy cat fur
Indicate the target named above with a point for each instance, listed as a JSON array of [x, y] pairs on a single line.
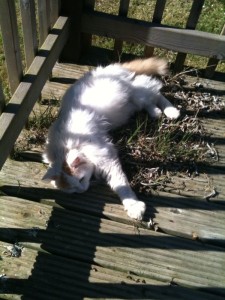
[[78, 145]]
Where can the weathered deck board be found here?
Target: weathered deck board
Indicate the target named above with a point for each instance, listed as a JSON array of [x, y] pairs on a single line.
[[150, 257], [71, 279], [84, 246], [80, 277], [186, 217]]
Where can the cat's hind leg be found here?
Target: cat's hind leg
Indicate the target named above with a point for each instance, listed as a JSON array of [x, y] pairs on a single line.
[[146, 95], [154, 112], [162, 105], [168, 109]]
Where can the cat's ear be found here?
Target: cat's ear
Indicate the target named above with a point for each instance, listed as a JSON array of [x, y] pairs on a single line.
[[76, 162], [50, 175]]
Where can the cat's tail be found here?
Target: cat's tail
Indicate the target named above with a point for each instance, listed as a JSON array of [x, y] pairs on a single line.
[[148, 66]]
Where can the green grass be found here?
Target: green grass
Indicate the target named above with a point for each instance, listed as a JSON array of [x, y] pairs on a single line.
[[163, 140]]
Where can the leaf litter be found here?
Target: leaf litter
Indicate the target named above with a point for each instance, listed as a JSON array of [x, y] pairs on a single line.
[[153, 151]]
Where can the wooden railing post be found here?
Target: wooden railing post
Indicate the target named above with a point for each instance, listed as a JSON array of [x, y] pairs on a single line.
[[157, 18], [72, 49], [191, 24], [44, 19], [212, 62], [54, 11], [27, 8], [123, 11], [8, 22], [86, 39], [2, 98]]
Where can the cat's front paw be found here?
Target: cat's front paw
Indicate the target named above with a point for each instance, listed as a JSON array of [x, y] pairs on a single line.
[[135, 209]]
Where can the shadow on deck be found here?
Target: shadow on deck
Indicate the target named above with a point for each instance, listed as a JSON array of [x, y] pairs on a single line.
[[73, 254]]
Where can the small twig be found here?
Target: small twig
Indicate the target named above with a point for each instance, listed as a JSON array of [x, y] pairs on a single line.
[[184, 72], [151, 183], [212, 194], [213, 151], [152, 225]]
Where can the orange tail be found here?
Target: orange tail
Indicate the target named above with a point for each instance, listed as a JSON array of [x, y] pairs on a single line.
[[148, 66]]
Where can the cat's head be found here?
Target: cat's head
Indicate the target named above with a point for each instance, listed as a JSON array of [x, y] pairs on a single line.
[[71, 175]]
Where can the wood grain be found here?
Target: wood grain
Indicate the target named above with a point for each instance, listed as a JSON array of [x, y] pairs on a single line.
[[191, 24], [2, 98], [43, 19], [182, 40], [8, 22], [19, 107], [27, 8]]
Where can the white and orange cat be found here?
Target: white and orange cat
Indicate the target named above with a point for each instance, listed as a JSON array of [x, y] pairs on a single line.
[[78, 144]]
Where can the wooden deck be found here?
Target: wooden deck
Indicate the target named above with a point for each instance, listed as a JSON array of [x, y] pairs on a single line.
[[83, 246]]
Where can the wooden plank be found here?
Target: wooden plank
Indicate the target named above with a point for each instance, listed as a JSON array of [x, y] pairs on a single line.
[[149, 255], [17, 110], [64, 75], [69, 71], [54, 90], [194, 15], [157, 18], [2, 98], [42, 276], [27, 8], [213, 62], [183, 40], [72, 50], [86, 38], [85, 280], [25, 221], [123, 11], [191, 24], [172, 212], [43, 19], [208, 85], [54, 11], [10, 39]]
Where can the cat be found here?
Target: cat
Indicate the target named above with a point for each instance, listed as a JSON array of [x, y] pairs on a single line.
[[78, 145]]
